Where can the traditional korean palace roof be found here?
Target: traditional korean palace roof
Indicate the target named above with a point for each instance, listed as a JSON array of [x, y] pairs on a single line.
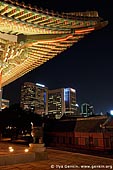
[[89, 124], [30, 36]]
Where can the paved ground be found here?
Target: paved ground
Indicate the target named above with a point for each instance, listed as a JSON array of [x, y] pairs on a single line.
[[61, 160]]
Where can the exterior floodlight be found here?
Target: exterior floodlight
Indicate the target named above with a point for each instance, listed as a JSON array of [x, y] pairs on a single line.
[[41, 85], [77, 105], [111, 112]]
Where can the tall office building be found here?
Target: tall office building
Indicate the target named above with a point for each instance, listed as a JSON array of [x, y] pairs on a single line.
[[70, 101], [62, 101], [87, 110], [5, 104], [34, 97]]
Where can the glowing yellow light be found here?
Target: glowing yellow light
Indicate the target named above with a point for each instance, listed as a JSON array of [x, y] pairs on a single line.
[[26, 150], [11, 149]]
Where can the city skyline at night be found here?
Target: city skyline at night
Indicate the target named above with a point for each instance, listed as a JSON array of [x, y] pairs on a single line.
[[86, 66]]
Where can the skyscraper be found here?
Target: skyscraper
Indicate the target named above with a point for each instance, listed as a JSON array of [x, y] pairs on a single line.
[[70, 101], [62, 101], [87, 110], [5, 103], [34, 97]]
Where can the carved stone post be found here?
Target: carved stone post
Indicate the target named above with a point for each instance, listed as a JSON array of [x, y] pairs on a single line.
[[38, 146]]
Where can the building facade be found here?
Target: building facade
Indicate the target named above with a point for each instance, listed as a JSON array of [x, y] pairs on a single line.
[[87, 110], [70, 101], [91, 133], [34, 97], [5, 103], [62, 101]]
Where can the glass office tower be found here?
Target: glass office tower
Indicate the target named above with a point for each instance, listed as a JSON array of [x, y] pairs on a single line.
[[34, 97], [62, 101]]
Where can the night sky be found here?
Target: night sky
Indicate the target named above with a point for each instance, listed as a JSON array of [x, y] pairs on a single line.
[[87, 66]]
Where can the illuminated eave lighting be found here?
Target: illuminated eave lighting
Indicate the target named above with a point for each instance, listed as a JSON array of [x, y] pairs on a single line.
[[47, 24], [84, 30], [49, 41]]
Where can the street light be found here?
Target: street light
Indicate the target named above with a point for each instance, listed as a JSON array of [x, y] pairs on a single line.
[[111, 112]]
